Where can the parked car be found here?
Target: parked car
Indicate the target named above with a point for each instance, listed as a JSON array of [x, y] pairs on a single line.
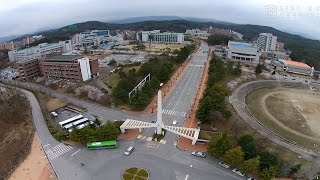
[[198, 154], [237, 171], [129, 151], [174, 122], [224, 165], [250, 178]]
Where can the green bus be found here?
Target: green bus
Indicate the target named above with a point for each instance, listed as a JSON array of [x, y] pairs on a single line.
[[102, 145]]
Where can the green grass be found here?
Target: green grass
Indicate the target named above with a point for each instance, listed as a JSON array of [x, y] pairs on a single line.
[[135, 174], [112, 80], [142, 173], [132, 170]]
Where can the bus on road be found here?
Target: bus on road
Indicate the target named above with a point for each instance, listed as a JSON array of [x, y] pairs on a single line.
[[102, 145]]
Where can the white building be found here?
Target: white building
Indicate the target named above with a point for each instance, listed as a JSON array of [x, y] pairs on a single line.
[[87, 38], [40, 50], [242, 52], [267, 42], [85, 68], [158, 37], [196, 32]]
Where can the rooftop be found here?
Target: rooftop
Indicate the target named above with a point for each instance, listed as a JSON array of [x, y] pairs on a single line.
[[295, 63], [239, 44], [63, 58]]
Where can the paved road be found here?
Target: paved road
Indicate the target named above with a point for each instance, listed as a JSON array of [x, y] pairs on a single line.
[[237, 99]]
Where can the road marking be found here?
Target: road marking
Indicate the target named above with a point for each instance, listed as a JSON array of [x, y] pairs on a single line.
[[213, 167], [75, 152], [46, 145], [57, 151], [173, 113], [186, 177]]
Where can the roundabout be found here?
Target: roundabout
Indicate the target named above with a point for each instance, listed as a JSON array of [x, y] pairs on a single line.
[[135, 174]]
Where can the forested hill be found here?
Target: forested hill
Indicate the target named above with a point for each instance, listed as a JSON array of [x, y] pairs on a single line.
[[303, 49]]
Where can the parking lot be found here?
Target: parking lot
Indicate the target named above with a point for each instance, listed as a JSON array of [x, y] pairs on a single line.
[[65, 113]]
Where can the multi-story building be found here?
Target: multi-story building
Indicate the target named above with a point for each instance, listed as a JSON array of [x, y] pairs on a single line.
[[292, 66], [40, 51], [242, 52], [219, 31], [280, 46], [267, 42], [7, 45], [196, 32], [158, 37], [69, 67], [28, 69], [220, 51], [87, 38]]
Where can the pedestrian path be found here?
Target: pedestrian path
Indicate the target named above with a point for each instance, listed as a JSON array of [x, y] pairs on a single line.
[[57, 151], [174, 113]]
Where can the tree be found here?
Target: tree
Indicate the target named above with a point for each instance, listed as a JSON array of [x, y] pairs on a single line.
[[248, 146], [218, 39], [113, 62], [268, 160], [268, 173], [237, 71], [234, 156], [258, 69], [97, 122], [316, 76], [219, 147], [251, 165]]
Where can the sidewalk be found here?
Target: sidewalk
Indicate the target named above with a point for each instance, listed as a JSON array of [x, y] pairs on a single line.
[[35, 166]]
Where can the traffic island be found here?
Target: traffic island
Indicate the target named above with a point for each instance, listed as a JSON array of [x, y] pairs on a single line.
[[135, 174]]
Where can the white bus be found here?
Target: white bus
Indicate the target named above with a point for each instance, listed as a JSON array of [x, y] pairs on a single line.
[[70, 120], [81, 125], [76, 123]]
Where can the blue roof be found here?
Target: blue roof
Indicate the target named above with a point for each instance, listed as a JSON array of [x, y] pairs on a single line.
[[240, 44]]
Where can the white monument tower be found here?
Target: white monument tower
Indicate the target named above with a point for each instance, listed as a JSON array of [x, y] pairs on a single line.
[[159, 113]]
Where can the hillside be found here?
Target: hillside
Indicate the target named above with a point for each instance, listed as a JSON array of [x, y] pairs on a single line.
[[303, 49]]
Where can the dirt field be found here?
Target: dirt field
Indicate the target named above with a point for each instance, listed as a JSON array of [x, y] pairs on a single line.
[[16, 132], [292, 113], [163, 47], [54, 104], [35, 166]]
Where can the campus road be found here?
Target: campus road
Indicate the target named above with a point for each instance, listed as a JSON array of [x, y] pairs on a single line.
[[163, 161]]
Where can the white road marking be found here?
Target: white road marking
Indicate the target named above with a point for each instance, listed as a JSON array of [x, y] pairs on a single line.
[[46, 145], [173, 113], [75, 152], [186, 177], [213, 167], [57, 151]]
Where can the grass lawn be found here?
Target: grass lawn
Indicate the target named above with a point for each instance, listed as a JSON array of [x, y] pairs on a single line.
[[114, 78], [135, 174], [54, 104]]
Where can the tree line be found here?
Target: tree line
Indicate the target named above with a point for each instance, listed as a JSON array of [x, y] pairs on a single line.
[[249, 159], [212, 106], [96, 132], [160, 69], [218, 40]]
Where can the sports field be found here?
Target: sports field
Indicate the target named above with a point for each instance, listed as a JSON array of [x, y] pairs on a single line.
[[291, 113]]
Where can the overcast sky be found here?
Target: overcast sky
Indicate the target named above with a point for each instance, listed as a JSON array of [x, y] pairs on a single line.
[[27, 16]]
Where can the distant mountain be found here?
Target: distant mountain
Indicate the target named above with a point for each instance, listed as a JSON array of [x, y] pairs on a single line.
[[7, 38], [163, 18]]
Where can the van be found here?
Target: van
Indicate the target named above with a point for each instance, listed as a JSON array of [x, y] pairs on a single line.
[[129, 151]]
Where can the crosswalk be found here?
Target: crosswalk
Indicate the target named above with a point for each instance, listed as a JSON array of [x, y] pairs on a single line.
[[174, 113], [57, 151]]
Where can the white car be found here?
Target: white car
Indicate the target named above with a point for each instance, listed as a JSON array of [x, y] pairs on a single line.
[[198, 154], [237, 171], [224, 165], [174, 122]]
